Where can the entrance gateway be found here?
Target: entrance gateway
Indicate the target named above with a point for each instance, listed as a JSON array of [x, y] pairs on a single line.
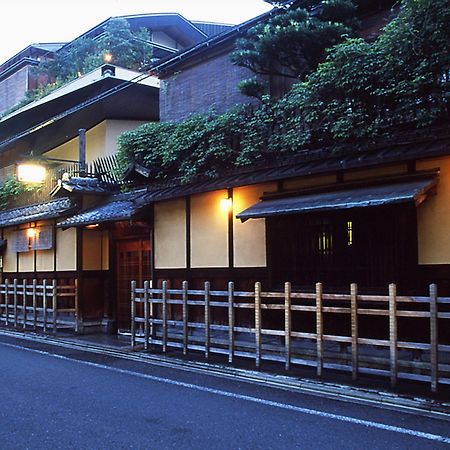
[[133, 262]]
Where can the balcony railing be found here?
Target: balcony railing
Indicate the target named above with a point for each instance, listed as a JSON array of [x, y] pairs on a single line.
[[106, 169]]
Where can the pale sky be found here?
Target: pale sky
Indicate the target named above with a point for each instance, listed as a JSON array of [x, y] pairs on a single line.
[[31, 21]]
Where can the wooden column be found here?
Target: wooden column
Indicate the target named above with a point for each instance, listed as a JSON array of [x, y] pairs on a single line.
[[258, 324], [354, 329], [393, 350], [287, 324], [319, 328], [434, 343]]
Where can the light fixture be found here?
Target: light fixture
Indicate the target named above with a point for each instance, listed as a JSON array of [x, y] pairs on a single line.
[[92, 226], [107, 57], [34, 170], [31, 233], [226, 204], [31, 173]]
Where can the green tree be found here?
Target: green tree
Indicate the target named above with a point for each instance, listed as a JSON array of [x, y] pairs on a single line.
[[362, 92], [293, 42], [130, 49]]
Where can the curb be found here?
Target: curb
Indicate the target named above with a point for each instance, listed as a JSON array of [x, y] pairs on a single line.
[[381, 399]]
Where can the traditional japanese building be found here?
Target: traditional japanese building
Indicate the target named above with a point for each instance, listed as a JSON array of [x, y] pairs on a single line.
[[170, 32], [371, 215]]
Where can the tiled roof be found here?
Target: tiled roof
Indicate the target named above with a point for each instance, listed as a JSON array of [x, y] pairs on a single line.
[[125, 205], [48, 210], [116, 207], [304, 164], [83, 185]]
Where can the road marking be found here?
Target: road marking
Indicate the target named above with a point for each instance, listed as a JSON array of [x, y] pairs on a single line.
[[261, 401]]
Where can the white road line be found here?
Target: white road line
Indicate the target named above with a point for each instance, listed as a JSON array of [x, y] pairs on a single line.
[[312, 412]]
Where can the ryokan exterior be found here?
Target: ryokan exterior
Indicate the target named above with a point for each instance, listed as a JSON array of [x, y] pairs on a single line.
[[373, 216]]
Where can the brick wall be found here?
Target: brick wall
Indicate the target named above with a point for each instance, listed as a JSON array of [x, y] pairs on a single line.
[[13, 88], [212, 84]]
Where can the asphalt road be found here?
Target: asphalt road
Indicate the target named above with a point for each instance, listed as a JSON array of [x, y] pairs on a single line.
[[52, 397]]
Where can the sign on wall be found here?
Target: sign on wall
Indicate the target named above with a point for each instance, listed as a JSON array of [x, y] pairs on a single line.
[[38, 238]]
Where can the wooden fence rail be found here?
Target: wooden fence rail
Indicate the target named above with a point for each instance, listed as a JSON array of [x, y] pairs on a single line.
[[173, 318], [43, 304]]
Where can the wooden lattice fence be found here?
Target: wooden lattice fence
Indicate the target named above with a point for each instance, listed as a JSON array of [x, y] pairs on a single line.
[[191, 320], [29, 304]]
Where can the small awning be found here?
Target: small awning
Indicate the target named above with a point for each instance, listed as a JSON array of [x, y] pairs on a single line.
[[118, 207], [361, 197]]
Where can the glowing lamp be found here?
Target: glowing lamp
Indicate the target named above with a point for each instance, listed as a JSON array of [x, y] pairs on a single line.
[[31, 173], [107, 57], [226, 204], [31, 233]]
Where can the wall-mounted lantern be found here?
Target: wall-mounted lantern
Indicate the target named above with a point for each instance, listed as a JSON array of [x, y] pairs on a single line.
[[31, 172], [34, 170], [226, 204]]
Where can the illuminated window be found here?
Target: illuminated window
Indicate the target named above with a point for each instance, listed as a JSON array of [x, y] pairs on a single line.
[[325, 241], [349, 233]]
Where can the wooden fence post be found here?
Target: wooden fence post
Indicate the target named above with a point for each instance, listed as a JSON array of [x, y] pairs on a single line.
[[44, 303], [230, 321], [287, 324], [185, 287], [434, 342], [354, 329], [258, 324], [133, 313], [34, 293], [319, 328], [24, 304], [207, 319], [151, 311], [55, 304], [393, 353], [146, 324], [78, 315], [164, 315], [7, 301], [15, 300]]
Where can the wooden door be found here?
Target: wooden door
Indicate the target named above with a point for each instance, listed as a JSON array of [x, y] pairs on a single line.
[[133, 263]]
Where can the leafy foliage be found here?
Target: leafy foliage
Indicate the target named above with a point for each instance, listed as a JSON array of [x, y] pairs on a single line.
[[10, 189], [362, 92], [293, 43], [130, 49]]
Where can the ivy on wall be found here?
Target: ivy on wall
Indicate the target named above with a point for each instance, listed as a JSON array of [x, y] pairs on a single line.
[[128, 48], [11, 188], [361, 92]]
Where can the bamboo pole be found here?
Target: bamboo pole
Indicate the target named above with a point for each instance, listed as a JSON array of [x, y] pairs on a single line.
[[146, 324], [55, 304], [133, 313], [34, 294], [258, 324], [230, 321], [393, 350], [15, 300], [434, 362], [152, 328], [24, 304], [164, 314], [7, 300], [287, 324], [44, 304], [354, 329], [185, 287], [1, 298], [207, 319], [319, 328], [76, 305]]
